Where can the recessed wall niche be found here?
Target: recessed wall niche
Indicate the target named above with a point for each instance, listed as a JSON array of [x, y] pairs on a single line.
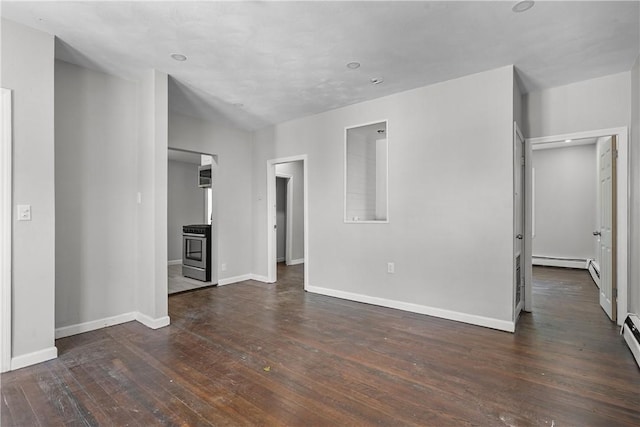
[[366, 173]]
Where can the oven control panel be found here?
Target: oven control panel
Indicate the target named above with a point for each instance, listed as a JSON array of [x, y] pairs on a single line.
[[196, 229]]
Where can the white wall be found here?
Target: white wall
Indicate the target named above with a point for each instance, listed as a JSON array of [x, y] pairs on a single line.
[[517, 104], [28, 70], [233, 150], [634, 284], [152, 163], [185, 202], [295, 169], [96, 184], [565, 202], [450, 200], [600, 103]]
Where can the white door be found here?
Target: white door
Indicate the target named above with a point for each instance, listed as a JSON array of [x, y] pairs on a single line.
[[607, 180], [518, 203]]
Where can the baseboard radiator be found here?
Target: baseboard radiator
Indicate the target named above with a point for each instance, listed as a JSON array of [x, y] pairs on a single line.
[[631, 333], [551, 261]]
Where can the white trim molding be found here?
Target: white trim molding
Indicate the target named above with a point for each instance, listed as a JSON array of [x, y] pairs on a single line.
[[174, 262], [234, 279], [259, 278], [6, 146], [33, 358], [487, 322], [152, 323], [296, 261], [67, 331], [93, 325]]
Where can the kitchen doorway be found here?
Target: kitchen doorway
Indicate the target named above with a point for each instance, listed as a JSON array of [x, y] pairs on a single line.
[[191, 201]]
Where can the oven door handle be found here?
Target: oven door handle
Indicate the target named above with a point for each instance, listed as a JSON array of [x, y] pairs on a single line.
[[200, 236]]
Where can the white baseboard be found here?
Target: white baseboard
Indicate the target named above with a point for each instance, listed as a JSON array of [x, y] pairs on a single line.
[[281, 259], [560, 262], [234, 279], [33, 358], [296, 261], [488, 322], [67, 331], [152, 323], [175, 262], [260, 278]]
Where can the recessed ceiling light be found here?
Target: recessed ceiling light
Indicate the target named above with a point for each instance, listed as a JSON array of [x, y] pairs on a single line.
[[178, 57], [523, 6], [376, 80], [353, 65], [567, 140]]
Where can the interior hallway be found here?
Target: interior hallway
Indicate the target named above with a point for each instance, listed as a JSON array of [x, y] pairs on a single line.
[[260, 354]]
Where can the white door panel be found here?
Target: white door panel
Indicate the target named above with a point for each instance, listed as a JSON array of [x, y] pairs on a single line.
[[607, 246], [518, 203]]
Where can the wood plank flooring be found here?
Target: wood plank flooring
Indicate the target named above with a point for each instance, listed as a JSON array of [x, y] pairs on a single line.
[[259, 354]]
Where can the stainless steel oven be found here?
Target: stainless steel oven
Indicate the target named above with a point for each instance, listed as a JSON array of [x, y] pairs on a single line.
[[196, 251]]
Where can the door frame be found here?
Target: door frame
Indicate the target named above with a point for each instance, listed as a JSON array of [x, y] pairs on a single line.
[[526, 238], [6, 195], [272, 253], [289, 221], [622, 206]]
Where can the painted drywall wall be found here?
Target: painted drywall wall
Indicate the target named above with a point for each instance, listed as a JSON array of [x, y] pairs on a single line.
[[185, 202], [281, 218], [450, 200], [517, 104], [634, 154], [95, 183], [600, 103], [296, 171], [565, 202], [233, 150], [28, 70], [152, 163]]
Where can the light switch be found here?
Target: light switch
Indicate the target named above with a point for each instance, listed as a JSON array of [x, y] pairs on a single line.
[[24, 212]]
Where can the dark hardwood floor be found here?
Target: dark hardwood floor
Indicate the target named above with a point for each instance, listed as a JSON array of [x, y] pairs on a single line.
[[258, 354]]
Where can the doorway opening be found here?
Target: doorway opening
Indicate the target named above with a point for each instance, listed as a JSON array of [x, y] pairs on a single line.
[[191, 205], [572, 220], [284, 216], [287, 201]]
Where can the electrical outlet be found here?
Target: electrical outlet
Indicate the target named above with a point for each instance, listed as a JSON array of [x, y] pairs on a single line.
[[223, 267], [24, 212], [391, 267]]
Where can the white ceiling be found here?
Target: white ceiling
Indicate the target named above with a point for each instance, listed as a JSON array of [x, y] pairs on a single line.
[[283, 60]]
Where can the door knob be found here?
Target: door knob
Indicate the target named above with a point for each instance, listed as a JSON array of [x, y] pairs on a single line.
[[519, 236], [597, 233]]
